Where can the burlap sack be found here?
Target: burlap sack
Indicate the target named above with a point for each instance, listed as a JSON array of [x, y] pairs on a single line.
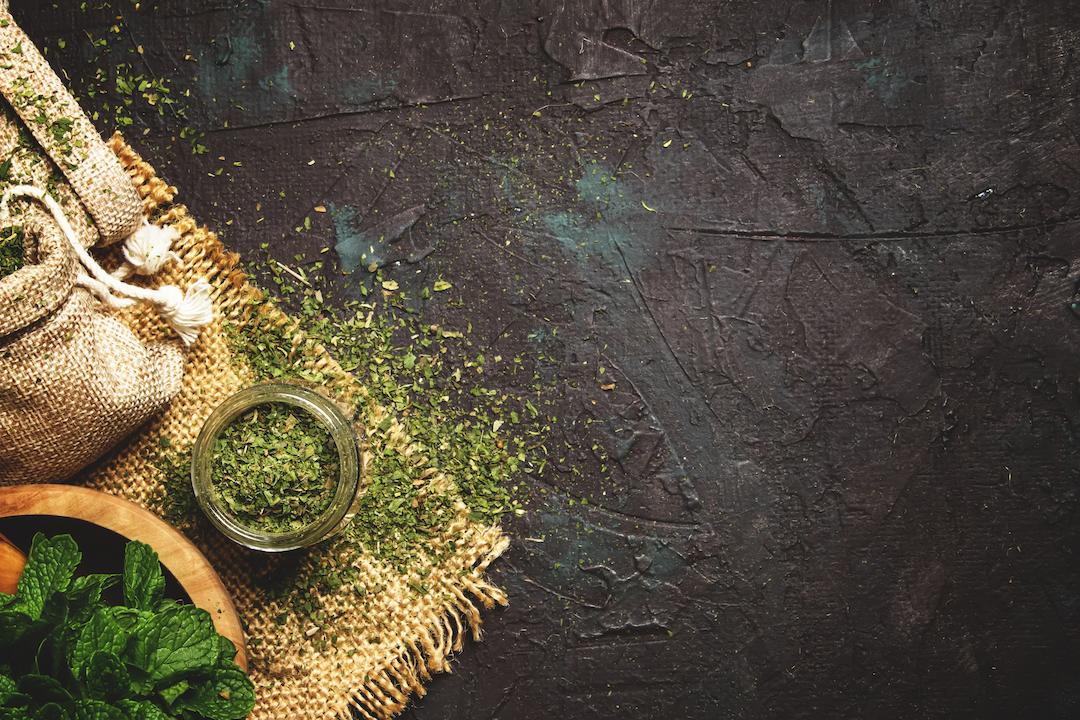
[[73, 380]]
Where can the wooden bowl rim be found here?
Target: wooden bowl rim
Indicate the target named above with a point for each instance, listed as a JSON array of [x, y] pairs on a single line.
[[185, 561]]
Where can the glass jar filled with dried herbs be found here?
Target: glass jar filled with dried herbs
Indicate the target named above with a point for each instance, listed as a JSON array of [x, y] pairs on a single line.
[[276, 467]]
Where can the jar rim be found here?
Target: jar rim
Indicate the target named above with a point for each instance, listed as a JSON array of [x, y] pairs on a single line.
[[347, 488]]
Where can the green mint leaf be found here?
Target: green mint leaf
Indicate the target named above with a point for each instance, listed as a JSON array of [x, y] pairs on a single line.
[[98, 583], [226, 650], [172, 692], [43, 689], [89, 588], [141, 710], [176, 641], [107, 677], [51, 658], [96, 710], [144, 584], [55, 611], [13, 623], [18, 701], [7, 689], [166, 604], [49, 568], [101, 634], [84, 596], [64, 655], [127, 618], [228, 695], [52, 711]]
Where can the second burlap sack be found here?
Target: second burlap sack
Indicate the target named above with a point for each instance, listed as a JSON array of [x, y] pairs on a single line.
[[74, 381]]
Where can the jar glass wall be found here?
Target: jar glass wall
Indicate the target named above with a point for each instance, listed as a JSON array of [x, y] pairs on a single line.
[[346, 490]]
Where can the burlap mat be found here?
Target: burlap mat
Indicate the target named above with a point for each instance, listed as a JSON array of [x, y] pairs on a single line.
[[370, 640]]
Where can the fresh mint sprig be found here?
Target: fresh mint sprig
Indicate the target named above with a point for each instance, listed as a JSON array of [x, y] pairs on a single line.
[[66, 654]]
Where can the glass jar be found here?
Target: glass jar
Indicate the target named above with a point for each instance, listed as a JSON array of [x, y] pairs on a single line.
[[347, 491]]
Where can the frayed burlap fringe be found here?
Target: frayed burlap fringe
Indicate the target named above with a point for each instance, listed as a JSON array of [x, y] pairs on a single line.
[[373, 650]]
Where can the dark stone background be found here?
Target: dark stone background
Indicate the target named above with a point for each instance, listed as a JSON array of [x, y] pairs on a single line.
[[842, 436]]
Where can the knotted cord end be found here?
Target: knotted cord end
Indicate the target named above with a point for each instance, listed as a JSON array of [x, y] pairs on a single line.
[[187, 313], [149, 248]]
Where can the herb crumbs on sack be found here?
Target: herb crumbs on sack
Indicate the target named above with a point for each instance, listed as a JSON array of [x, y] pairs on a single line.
[[274, 468], [11, 250]]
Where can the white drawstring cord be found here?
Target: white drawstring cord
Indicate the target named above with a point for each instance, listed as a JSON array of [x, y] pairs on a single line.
[[147, 250], [186, 313], [102, 292]]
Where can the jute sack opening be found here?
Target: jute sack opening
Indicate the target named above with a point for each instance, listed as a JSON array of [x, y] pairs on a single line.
[[73, 380]]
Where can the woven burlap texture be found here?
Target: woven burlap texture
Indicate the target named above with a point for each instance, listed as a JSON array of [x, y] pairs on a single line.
[[67, 136], [370, 656], [74, 381]]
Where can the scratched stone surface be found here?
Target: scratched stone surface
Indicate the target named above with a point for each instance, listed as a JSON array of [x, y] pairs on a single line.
[[823, 250]]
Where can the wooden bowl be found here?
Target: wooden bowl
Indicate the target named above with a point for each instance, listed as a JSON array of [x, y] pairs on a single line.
[[182, 559], [11, 565]]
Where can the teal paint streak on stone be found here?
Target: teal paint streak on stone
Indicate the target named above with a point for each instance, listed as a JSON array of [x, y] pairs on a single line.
[[508, 188], [563, 543], [236, 80], [606, 240], [221, 80], [608, 224], [598, 188], [279, 83], [351, 246], [573, 541], [604, 221], [371, 245], [569, 229], [660, 561], [885, 79]]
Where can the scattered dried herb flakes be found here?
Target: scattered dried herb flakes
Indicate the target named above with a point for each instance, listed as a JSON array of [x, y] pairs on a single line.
[[174, 499], [426, 377], [116, 92], [430, 379], [274, 468], [11, 250]]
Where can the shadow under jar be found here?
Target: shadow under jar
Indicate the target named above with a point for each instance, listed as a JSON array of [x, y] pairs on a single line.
[[345, 478]]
